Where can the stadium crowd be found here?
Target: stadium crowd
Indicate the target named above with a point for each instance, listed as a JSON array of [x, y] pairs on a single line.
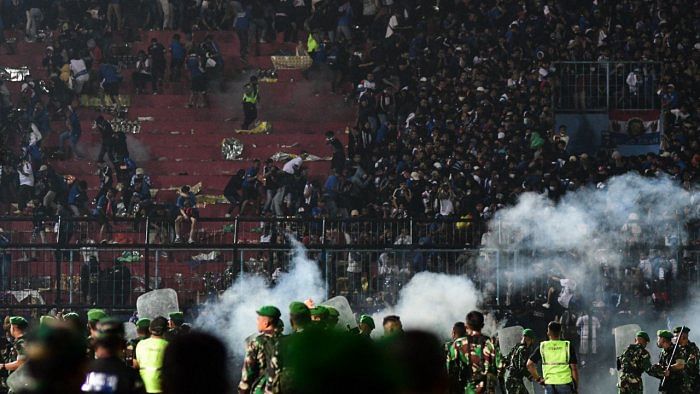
[[455, 118]]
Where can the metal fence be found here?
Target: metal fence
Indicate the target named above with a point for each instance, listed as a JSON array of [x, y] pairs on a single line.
[[366, 261], [605, 85]]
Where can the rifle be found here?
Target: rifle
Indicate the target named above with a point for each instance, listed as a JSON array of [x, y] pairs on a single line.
[[673, 354]]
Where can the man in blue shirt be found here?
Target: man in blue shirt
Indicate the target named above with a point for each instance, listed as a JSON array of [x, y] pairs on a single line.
[[198, 81], [330, 193], [186, 203], [177, 58], [72, 133]]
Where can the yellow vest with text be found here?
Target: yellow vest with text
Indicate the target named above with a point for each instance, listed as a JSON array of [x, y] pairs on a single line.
[[149, 354], [555, 362]]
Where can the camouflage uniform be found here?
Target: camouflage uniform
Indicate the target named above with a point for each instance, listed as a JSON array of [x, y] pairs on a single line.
[[678, 382], [130, 353], [634, 361], [479, 353], [691, 354], [258, 353], [516, 365]]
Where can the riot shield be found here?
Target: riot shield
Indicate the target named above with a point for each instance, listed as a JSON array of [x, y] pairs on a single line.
[[156, 303], [130, 331], [346, 319], [508, 338]]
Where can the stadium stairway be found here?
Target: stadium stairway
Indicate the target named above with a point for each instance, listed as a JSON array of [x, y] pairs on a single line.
[[182, 146]]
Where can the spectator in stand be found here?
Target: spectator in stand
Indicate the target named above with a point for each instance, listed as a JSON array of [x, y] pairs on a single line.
[[72, 133], [105, 211], [156, 54], [188, 213], [34, 19], [26, 183], [114, 15], [78, 198], [107, 134], [110, 81], [198, 81], [231, 191], [177, 58], [338, 159], [250, 186], [143, 74], [105, 174], [79, 72]]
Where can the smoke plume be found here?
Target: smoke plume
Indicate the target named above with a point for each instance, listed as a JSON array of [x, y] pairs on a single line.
[[233, 317]]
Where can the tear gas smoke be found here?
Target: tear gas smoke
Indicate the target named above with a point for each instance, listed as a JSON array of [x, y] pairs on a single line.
[[233, 316]]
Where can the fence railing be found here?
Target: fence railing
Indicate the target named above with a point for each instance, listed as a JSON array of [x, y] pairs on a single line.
[[606, 85], [74, 272]]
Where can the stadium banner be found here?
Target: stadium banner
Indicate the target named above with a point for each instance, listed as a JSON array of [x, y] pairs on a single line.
[[636, 132]]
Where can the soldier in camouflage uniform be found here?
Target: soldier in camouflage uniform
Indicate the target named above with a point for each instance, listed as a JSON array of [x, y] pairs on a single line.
[[17, 356], [259, 351], [515, 362], [279, 375], [689, 352], [143, 333], [176, 320], [475, 351], [676, 381], [632, 363], [94, 316]]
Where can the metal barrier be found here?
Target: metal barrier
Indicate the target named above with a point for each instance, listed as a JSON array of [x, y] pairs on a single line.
[[606, 85]]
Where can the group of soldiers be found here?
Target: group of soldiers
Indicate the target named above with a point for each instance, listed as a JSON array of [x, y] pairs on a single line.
[[106, 346], [677, 367]]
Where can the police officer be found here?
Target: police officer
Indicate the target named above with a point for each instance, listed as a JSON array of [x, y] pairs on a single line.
[[634, 361], [250, 102], [108, 372], [689, 352], [515, 362], [142, 333], [559, 371], [259, 351], [18, 355]]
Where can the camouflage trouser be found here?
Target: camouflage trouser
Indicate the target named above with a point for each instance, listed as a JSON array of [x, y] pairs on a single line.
[[630, 384], [515, 386]]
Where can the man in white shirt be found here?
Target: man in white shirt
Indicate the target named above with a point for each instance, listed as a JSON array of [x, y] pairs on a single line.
[[79, 72], [26, 183]]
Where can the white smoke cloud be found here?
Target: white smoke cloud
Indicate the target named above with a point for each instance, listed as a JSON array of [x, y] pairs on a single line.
[[233, 317], [433, 302]]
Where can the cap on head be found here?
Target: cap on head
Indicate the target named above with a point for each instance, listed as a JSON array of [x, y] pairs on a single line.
[[46, 320], [529, 333], [143, 323], [158, 325], [71, 316], [367, 319], [678, 329], [298, 308], [643, 335], [177, 317], [96, 314], [270, 311], [664, 334], [320, 311], [110, 327], [19, 321]]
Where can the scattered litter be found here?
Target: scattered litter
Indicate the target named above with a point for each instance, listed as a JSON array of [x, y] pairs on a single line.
[[231, 148]]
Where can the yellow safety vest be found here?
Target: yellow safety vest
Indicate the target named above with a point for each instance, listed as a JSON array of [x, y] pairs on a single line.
[[311, 44], [251, 97], [149, 354], [555, 362]]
